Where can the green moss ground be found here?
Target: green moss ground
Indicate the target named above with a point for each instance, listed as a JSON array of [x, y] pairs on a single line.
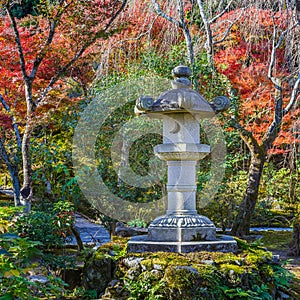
[[278, 243], [276, 240], [6, 200]]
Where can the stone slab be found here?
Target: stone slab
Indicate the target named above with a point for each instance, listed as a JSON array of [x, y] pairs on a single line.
[[142, 243]]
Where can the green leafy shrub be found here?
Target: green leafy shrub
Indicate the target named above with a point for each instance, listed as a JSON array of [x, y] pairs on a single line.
[[51, 229], [58, 262], [39, 226]]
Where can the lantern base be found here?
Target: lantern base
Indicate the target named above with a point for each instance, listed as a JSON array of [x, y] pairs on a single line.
[[142, 243]]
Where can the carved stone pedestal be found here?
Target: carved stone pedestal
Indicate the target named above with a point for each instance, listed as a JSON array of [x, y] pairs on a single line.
[[182, 228]]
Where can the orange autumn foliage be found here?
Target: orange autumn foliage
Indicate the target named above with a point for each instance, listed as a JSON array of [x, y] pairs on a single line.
[[244, 58]]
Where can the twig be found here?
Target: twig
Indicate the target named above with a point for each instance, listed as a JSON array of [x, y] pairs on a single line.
[[164, 15], [220, 14]]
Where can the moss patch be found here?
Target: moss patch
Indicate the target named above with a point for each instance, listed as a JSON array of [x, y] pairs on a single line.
[[250, 274], [276, 240], [6, 200]]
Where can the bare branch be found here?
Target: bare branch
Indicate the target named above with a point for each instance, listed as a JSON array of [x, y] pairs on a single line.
[[279, 112], [284, 33], [271, 134], [3, 153], [66, 67], [52, 26], [181, 24], [187, 34], [298, 10], [273, 130], [229, 28], [273, 55], [246, 135], [18, 42], [220, 14], [114, 16], [275, 46], [15, 125], [294, 96], [180, 10], [209, 37], [39, 58], [140, 35], [100, 34], [164, 15], [62, 71]]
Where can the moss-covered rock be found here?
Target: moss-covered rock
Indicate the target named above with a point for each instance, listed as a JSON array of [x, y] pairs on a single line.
[[98, 272], [100, 268], [249, 274]]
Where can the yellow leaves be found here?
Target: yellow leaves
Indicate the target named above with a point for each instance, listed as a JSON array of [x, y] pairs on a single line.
[[4, 3], [12, 272], [4, 225], [223, 66], [20, 271], [149, 192]]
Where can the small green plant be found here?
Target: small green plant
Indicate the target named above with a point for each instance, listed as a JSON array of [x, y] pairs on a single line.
[[58, 262], [64, 217], [238, 293], [18, 256], [148, 288], [137, 223], [7, 213], [81, 293]]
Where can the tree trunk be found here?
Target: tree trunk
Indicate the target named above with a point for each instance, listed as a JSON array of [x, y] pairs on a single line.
[[186, 33], [189, 46], [241, 225], [26, 191], [209, 45], [77, 237], [294, 247]]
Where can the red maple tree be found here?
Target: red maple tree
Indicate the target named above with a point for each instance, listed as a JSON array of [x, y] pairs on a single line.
[[257, 59], [38, 53]]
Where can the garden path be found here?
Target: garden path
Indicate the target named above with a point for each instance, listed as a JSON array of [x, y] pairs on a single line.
[[91, 233]]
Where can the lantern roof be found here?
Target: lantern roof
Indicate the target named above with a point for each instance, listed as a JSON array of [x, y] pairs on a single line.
[[181, 98]]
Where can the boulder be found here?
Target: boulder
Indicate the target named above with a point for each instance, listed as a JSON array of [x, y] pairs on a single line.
[[98, 272]]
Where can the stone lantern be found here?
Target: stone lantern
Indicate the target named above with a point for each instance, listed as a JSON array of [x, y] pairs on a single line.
[[181, 229]]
